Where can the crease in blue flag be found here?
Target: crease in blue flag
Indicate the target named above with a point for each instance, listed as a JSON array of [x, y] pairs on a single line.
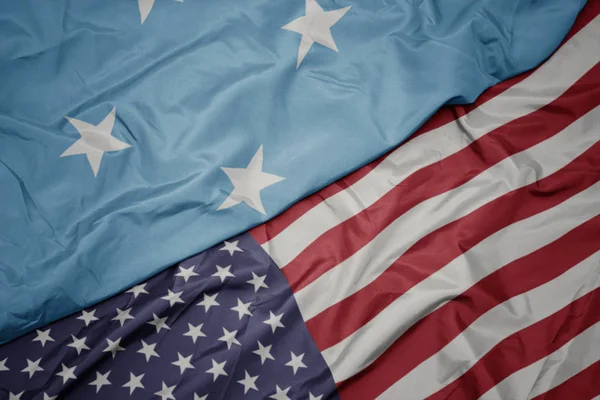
[[135, 134]]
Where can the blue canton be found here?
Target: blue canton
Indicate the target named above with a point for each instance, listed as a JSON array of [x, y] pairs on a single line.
[[221, 325]]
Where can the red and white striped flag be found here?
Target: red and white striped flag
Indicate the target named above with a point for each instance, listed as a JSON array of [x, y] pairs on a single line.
[[466, 263]]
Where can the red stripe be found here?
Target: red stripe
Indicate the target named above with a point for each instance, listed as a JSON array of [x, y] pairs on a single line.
[[265, 232], [438, 248], [525, 347], [449, 173], [583, 386], [425, 338]]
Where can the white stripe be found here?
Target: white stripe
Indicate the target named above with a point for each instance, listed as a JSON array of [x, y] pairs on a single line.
[[492, 327], [551, 371], [547, 83], [497, 250], [521, 169]]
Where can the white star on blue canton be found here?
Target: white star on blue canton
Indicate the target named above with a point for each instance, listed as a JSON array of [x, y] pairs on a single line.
[[209, 301], [242, 308], [173, 298], [186, 273], [159, 323], [229, 338], [78, 344], [135, 382], [33, 367], [223, 273], [113, 347], [231, 247], [88, 316], [12, 396], [274, 321], [123, 315], [67, 373], [166, 393], [296, 362], [194, 332], [43, 337], [137, 290], [264, 352], [148, 350], [258, 281], [249, 382], [183, 363], [101, 380], [280, 394], [217, 369]]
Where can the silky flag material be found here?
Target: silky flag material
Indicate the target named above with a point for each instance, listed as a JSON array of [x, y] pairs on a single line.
[[464, 264], [134, 134]]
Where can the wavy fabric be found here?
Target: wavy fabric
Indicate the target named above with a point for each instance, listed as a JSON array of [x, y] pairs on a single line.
[[190, 122], [474, 277]]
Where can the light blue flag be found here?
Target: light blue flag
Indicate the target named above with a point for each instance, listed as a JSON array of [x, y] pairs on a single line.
[[135, 133]]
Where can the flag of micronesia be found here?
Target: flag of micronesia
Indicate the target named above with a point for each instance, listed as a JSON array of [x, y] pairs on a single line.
[[134, 134]]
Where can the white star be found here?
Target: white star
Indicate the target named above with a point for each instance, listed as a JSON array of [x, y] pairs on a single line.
[[138, 289], [186, 273], [264, 352], [159, 323], [313, 397], [148, 350], [123, 316], [67, 373], [33, 367], [242, 308], [113, 347], [229, 338], [166, 392], [183, 363], [95, 140], [258, 282], [173, 298], [274, 321], [223, 273], [101, 380], [196, 397], [194, 332], [145, 7], [217, 369], [231, 247], [209, 301], [88, 317], [48, 397], [12, 396], [43, 337], [249, 382], [315, 26], [280, 394], [3, 366], [296, 362], [134, 382], [248, 182], [78, 344]]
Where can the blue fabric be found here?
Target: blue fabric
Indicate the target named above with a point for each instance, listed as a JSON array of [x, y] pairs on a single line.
[[196, 333], [202, 85]]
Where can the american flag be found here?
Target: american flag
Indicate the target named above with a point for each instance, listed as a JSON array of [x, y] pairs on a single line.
[[465, 264], [220, 325]]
